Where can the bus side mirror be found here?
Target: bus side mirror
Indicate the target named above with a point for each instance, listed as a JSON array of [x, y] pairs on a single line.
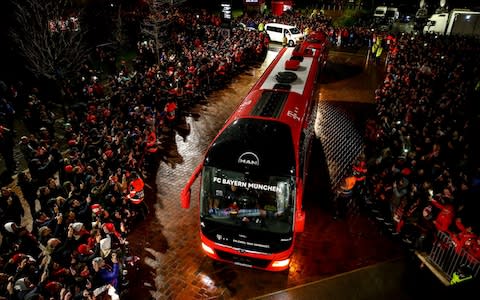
[[300, 221], [185, 197], [185, 194]]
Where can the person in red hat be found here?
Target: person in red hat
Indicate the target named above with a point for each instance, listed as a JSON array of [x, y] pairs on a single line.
[[116, 237], [99, 214], [84, 252], [170, 112], [68, 168]]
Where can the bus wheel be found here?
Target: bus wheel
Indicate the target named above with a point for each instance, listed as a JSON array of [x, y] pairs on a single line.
[[291, 43]]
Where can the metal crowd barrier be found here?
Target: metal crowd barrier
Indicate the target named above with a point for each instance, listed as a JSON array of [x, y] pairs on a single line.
[[342, 143], [443, 260]]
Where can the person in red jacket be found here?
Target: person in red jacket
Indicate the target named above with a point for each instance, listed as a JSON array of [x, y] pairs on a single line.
[[473, 248], [445, 217], [464, 238]]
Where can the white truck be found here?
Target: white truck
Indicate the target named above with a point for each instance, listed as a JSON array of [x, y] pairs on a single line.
[[456, 22], [384, 17], [386, 13], [380, 12]]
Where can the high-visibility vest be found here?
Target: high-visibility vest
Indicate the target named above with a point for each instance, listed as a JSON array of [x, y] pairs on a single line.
[[359, 172], [170, 108], [350, 182], [457, 278], [152, 142], [136, 194], [261, 26], [346, 189]]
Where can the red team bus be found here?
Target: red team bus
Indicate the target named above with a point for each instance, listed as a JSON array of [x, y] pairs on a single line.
[[253, 173]]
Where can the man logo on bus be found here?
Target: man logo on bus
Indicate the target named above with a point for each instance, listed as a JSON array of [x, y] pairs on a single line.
[[249, 158]]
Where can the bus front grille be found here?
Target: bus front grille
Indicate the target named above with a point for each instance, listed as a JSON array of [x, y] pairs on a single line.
[[243, 260]]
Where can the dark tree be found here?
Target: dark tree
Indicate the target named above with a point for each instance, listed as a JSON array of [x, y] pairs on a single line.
[[49, 36]]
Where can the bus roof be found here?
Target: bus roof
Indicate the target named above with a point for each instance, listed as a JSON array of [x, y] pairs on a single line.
[[292, 98], [270, 119]]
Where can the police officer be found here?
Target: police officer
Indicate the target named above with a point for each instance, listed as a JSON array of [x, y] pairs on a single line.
[[463, 273]]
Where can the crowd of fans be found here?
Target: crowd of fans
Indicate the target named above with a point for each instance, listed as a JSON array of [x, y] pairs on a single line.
[[422, 147], [84, 185], [85, 188]]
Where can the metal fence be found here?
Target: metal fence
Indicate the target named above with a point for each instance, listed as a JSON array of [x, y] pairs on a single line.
[[446, 258], [342, 143]]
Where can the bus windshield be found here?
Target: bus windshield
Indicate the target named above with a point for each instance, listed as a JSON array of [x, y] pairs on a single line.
[[231, 197]]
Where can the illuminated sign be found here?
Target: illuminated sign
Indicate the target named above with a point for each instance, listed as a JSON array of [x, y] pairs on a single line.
[[249, 158], [246, 185], [227, 11]]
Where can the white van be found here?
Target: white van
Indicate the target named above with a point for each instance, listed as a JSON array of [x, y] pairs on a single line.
[[392, 14], [277, 31], [380, 12]]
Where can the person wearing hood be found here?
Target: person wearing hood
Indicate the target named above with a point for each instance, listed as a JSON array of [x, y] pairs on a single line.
[[104, 273], [19, 239], [80, 233], [44, 234], [106, 248], [11, 207], [22, 287], [38, 291]]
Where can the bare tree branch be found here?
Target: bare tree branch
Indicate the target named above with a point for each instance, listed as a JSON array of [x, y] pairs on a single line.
[[50, 49]]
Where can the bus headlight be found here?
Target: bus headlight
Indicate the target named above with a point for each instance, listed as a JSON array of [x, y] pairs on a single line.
[[207, 249], [281, 263]]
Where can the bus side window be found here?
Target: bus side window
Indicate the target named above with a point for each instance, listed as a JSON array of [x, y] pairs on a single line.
[[282, 196]]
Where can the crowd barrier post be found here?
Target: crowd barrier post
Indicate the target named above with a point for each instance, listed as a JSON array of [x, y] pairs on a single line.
[[443, 260]]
